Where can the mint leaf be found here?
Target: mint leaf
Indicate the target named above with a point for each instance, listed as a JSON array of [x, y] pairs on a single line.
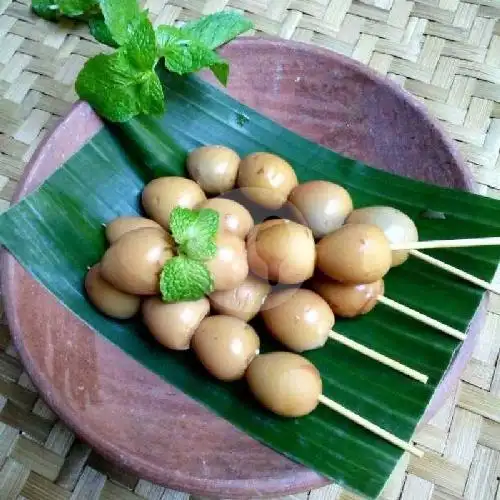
[[200, 236], [151, 98], [48, 9], [184, 279], [194, 232], [221, 71], [199, 249], [217, 29], [141, 46], [181, 219], [76, 8], [118, 16], [123, 84], [100, 32], [184, 54]]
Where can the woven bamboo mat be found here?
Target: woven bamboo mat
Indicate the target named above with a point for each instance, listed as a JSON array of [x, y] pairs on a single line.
[[446, 52]]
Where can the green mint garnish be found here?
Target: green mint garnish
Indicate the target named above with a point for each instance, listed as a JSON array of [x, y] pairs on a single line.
[[48, 9], [184, 279], [216, 29], [185, 54], [52, 10], [124, 84], [77, 8], [100, 31], [194, 232], [119, 16]]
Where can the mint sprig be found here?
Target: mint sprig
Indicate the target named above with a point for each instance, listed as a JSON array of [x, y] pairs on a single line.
[[184, 279], [124, 84]]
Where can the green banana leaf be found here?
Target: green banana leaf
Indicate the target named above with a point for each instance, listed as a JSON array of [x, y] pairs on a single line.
[[56, 233]]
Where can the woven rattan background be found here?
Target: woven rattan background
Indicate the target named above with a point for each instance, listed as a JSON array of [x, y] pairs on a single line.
[[446, 52]]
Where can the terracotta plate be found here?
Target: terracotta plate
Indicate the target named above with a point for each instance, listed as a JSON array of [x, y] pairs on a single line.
[[129, 414]]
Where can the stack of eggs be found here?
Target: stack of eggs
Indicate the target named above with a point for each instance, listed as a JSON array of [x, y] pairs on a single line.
[[340, 255]]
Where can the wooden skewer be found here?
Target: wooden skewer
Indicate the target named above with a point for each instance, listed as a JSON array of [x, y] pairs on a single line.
[[370, 426], [422, 317], [379, 357], [458, 243], [454, 270]]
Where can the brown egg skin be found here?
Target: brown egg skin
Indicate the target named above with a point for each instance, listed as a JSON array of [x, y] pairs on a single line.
[[282, 251], [214, 168], [355, 253], [321, 205], [285, 383], [163, 194], [229, 267], [107, 298], [174, 324], [348, 300], [121, 225], [242, 302], [234, 217], [133, 264], [301, 320], [397, 227], [266, 179], [225, 346]]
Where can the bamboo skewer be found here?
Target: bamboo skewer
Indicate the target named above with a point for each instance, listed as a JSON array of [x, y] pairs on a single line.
[[453, 332], [370, 426], [454, 270], [396, 365], [458, 243]]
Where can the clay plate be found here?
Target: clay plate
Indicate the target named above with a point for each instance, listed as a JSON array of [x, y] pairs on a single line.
[[129, 414]]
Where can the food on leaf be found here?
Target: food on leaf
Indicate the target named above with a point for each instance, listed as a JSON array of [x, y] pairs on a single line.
[[285, 383], [163, 194], [355, 253], [229, 267], [323, 206], [346, 299], [266, 179], [300, 319], [107, 298], [133, 264], [174, 324], [214, 168], [244, 301], [282, 251], [396, 225], [225, 346], [126, 223], [234, 217]]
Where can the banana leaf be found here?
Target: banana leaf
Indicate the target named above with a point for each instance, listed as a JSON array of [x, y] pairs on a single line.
[[62, 223]]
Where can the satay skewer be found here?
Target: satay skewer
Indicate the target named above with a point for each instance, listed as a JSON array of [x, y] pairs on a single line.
[[291, 386], [412, 313], [402, 234], [457, 243], [381, 358], [351, 300], [363, 422], [454, 270], [302, 320]]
